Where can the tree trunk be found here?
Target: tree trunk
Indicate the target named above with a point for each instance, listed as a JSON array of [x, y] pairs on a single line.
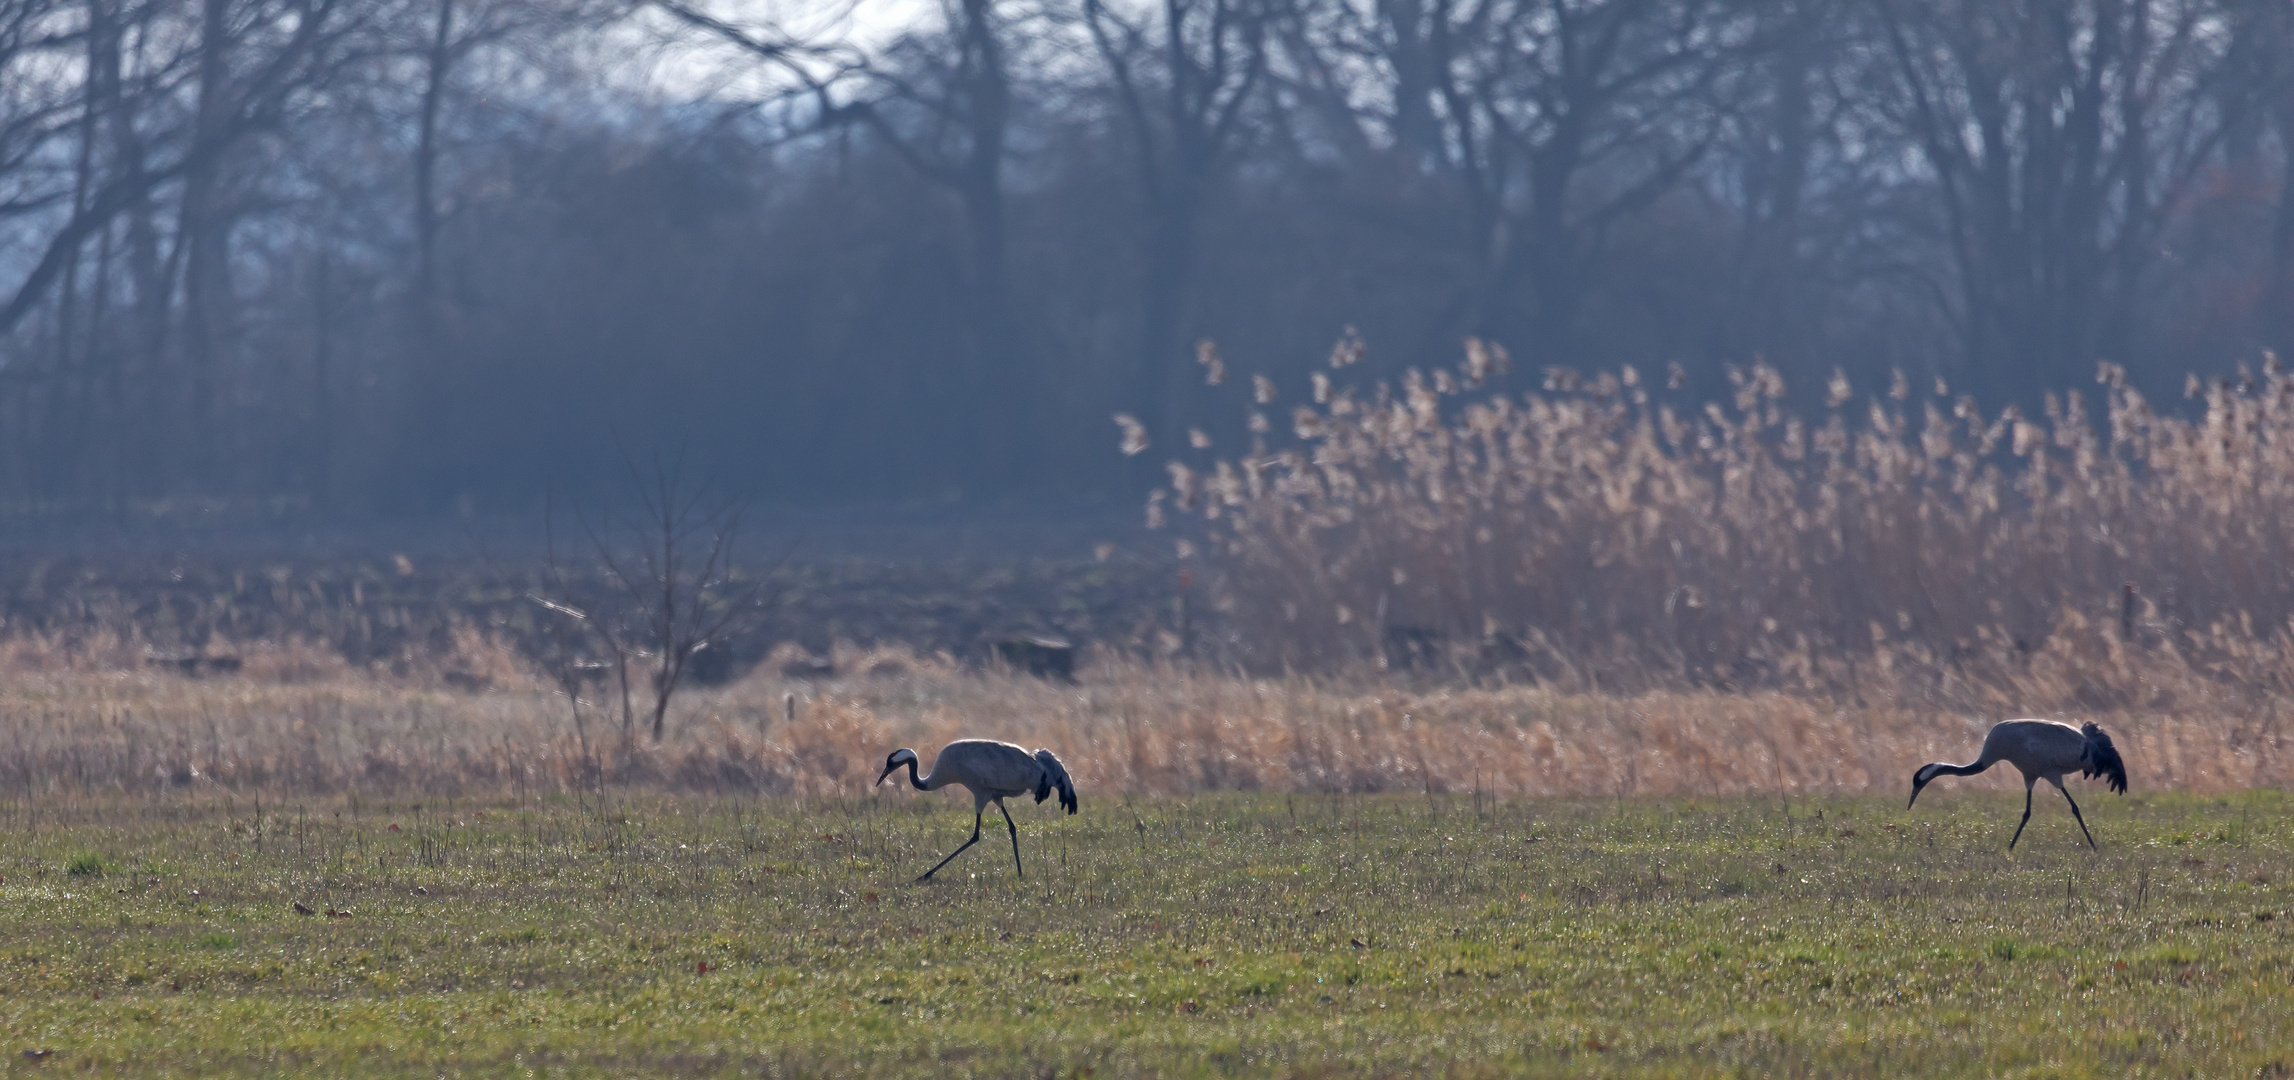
[[206, 231], [426, 159], [2277, 308], [1001, 360], [1165, 376], [1556, 272], [321, 478], [69, 415]]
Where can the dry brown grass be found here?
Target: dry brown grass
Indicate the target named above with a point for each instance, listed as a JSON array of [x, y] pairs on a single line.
[[1128, 728]]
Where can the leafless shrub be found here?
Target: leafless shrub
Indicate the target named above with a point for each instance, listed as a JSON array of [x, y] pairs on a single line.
[[673, 591]]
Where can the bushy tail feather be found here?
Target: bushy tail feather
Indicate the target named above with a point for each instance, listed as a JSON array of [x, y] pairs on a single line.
[[2103, 759], [1054, 776]]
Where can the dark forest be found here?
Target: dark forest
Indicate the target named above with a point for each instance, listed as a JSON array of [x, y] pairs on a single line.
[[414, 256]]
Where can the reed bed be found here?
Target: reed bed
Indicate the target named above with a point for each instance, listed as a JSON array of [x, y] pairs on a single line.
[[1129, 728], [1595, 537]]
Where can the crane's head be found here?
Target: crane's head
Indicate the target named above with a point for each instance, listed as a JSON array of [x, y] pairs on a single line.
[[1920, 780], [902, 756]]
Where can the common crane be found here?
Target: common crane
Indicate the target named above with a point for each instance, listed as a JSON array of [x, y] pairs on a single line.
[[2042, 750], [992, 771]]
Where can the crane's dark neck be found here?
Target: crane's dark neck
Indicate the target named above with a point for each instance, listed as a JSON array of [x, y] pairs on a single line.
[[1935, 769], [913, 780], [1945, 768]]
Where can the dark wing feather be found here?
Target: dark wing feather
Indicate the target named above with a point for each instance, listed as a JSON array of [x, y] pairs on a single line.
[[1054, 776], [2102, 759]]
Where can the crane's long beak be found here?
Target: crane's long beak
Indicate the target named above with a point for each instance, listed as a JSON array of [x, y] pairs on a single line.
[[1916, 786], [887, 772]]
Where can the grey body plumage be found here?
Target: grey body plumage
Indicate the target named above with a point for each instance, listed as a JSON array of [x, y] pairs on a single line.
[[2040, 750], [992, 771]]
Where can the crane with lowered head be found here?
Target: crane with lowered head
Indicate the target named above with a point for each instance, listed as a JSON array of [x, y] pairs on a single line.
[[2041, 750], [992, 771]]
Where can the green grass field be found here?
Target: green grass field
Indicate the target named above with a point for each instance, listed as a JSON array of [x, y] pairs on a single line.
[[1217, 935]]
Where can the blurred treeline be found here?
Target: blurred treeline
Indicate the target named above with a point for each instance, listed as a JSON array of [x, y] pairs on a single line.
[[408, 255]]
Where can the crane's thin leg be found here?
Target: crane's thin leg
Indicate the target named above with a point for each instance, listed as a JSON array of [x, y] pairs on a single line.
[[2027, 782], [1015, 839], [952, 855], [2081, 818]]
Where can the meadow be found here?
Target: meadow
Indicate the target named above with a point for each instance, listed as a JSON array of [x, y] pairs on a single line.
[[1209, 935]]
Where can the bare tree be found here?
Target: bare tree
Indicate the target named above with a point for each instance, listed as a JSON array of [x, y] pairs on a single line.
[[2265, 48], [454, 31], [1183, 74], [266, 55], [670, 591], [942, 101], [2059, 134], [1554, 120]]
